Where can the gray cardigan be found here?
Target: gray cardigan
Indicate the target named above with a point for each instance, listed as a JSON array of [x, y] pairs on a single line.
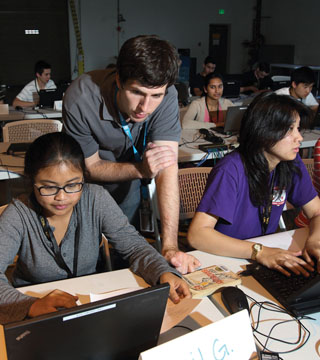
[[96, 212]]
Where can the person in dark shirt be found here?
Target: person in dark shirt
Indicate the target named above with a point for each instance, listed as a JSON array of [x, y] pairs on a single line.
[[257, 80], [197, 83]]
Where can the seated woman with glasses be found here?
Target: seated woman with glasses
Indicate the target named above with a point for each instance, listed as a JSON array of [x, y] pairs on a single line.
[[209, 110], [56, 232], [247, 190]]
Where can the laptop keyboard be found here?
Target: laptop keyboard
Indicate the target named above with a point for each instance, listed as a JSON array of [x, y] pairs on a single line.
[[288, 290]]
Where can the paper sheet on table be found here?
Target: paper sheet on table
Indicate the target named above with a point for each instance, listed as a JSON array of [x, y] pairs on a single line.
[[177, 312], [109, 294], [174, 312]]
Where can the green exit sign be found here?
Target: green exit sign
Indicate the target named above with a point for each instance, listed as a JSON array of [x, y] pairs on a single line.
[[221, 11]]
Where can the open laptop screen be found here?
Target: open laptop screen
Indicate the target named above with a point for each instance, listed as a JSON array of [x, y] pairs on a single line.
[[116, 328], [233, 118]]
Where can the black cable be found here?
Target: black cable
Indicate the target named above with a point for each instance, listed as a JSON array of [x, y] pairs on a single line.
[[269, 306], [192, 141], [183, 327]]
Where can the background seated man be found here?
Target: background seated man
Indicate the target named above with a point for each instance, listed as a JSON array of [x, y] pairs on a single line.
[[302, 81], [197, 83], [29, 95], [257, 80]]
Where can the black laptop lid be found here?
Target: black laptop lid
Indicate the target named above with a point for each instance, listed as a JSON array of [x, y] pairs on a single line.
[[49, 96], [116, 328]]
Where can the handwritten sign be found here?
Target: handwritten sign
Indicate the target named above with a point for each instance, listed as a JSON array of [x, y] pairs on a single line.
[[228, 339]]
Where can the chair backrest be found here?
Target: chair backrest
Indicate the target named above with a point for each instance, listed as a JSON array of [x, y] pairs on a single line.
[[2, 208], [192, 182], [309, 163], [29, 130]]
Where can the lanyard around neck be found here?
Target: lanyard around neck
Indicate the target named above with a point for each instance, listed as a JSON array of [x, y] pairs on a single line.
[[127, 131], [57, 251], [265, 211]]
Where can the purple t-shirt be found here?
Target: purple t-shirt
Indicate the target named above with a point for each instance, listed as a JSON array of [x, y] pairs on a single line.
[[227, 196]]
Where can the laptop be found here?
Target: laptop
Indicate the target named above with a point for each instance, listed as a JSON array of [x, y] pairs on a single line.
[[116, 328], [49, 96], [298, 294], [233, 119]]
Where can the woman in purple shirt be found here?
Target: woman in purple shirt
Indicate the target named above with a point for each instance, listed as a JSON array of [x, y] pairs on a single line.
[[246, 191]]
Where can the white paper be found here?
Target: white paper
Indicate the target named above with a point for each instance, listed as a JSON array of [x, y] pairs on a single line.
[[230, 338]]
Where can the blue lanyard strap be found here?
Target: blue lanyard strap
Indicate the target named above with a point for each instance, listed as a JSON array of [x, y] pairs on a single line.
[[127, 131]]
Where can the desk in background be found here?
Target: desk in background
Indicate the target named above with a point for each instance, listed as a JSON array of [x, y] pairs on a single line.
[[188, 148], [12, 181], [190, 140], [29, 113], [10, 166]]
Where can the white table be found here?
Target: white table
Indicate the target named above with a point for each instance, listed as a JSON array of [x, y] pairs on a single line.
[[29, 113], [42, 114], [205, 312], [293, 240], [190, 141]]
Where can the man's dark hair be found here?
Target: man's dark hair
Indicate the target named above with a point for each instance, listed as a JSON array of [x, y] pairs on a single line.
[[209, 60], [264, 66], [303, 75], [40, 66], [149, 60]]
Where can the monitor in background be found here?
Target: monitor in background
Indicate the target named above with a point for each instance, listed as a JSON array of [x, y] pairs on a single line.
[[231, 89], [280, 84], [115, 328]]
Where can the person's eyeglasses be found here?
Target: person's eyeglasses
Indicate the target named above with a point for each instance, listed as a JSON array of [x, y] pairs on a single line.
[[53, 190]]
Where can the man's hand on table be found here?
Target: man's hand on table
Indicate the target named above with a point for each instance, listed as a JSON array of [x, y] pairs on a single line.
[[183, 262], [178, 287]]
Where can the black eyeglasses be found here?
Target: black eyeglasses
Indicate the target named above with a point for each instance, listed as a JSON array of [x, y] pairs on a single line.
[[53, 190]]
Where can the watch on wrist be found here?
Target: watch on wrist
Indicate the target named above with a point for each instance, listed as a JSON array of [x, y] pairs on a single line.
[[256, 248]]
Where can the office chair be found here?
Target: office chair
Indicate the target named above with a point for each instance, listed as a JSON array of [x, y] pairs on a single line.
[[192, 182], [29, 130], [2, 208], [105, 252]]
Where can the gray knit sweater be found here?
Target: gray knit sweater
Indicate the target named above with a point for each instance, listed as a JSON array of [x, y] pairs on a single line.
[[21, 233]]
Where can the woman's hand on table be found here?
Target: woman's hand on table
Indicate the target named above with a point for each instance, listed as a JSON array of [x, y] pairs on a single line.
[[311, 252], [284, 260], [52, 302]]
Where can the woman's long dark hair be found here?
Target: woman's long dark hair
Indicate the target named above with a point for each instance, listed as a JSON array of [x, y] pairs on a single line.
[[266, 121]]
